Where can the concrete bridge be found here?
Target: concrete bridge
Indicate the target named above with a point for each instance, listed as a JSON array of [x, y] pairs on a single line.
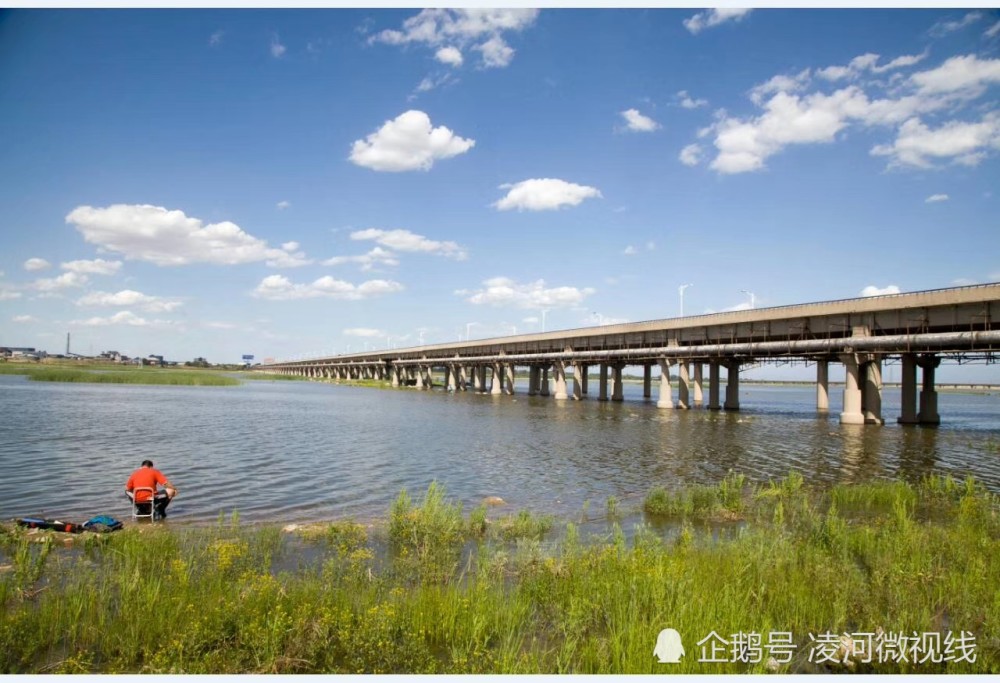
[[918, 329]]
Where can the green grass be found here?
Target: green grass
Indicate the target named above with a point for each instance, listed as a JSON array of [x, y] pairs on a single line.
[[436, 591], [42, 373]]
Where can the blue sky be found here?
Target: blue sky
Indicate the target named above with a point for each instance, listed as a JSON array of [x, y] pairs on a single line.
[[278, 183]]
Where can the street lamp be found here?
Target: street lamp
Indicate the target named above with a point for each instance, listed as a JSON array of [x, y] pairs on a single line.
[[681, 290], [468, 327], [600, 318], [544, 312], [751, 295]]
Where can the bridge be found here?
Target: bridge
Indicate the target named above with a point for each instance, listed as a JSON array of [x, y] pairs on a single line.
[[917, 329]]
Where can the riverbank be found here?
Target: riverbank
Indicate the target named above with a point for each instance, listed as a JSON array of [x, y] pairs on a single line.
[[119, 375], [433, 589]]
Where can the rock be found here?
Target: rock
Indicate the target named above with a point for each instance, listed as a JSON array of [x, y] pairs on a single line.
[[493, 501], [290, 528]]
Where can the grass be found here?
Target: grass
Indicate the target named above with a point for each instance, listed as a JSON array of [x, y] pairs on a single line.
[[120, 376], [438, 591]]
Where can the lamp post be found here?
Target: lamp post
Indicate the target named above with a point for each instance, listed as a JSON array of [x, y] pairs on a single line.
[[752, 298], [681, 291], [544, 312], [600, 318], [468, 327]]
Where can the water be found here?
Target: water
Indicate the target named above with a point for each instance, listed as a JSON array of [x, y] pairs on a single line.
[[305, 451]]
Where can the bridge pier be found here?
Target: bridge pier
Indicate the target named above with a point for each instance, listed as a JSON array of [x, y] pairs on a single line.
[[698, 368], [533, 379], [823, 386], [616, 391], [394, 372], [713, 385], [578, 381], [732, 385], [647, 380], [509, 379], [544, 390], [908, 393], [559, 368], [851, 414], [871, 397], [683, 393], [496, 387], [603, 383], [928, 394], [584, 384], [665, 400]]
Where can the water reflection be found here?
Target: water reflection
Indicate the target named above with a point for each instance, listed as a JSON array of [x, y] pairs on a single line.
[[310, 451]]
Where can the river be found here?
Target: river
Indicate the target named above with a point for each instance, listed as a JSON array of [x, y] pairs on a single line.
[[307, 451]]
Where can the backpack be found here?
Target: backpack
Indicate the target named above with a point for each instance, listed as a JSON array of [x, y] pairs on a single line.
[[102, 524]]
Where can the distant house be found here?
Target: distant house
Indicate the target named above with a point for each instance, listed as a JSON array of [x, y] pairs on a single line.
[[17, 351], [152, 360], [112, 356]]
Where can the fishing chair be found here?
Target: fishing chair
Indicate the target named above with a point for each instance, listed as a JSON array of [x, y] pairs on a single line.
[[145, 508]]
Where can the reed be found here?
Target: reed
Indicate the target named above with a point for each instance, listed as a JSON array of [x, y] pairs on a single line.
[[432, 592]]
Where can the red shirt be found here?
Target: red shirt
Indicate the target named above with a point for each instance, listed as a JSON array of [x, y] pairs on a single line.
[[145, 476]]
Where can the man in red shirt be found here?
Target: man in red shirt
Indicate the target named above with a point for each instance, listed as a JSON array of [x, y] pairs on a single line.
[[148, 476]]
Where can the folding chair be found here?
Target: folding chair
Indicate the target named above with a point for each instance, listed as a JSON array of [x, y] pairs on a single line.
[[140, 509]]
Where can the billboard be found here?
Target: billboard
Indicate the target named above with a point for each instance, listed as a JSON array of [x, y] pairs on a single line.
[[247, 356]]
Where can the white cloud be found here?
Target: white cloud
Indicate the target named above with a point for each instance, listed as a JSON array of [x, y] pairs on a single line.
[[638, 122], [373, 259], [449, 55], [690, 155], [220, 325], [404, 240], [216, 38], [129, 297], [277, 49], [480, 29], [502, 291], [630, 251], [650, 246], [36, 264], [713, 17], [121, 318], [943, 28], [937, 198], [992, 31], [283, 204], [280, 288], [169, 238], [901, 62], [363, 332], [64, 281], [964, 143], [496, 53], [965, 75], [855, 68], [689, 102], [24, 319], [290, 246], [8, 294], [872, 290], [93, 267], [780, 83], [543, 194], [531, 319], [408, 143]]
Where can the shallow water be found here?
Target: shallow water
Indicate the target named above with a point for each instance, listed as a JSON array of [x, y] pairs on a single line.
[[309, 451]]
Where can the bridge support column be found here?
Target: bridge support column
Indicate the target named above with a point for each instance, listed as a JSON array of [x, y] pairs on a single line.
[[481, 371], [616, 391], [928, 394], [852, 414], [823, 386], [559, 368], [427, 379], [497, 387], [683, 397], [871, 397], [533, 375], [452, 373], [698, 368], [463, 379], [908, 397], [578, 370], [732, 385], [395, 377], [666, 399], [603, 395], [584, 370], [647, 380], [544, 389], [713, 385], [509, 378]]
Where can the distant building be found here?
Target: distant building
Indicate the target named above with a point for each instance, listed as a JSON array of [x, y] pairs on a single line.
[[112, 356], [152, 360], [21, 352]]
